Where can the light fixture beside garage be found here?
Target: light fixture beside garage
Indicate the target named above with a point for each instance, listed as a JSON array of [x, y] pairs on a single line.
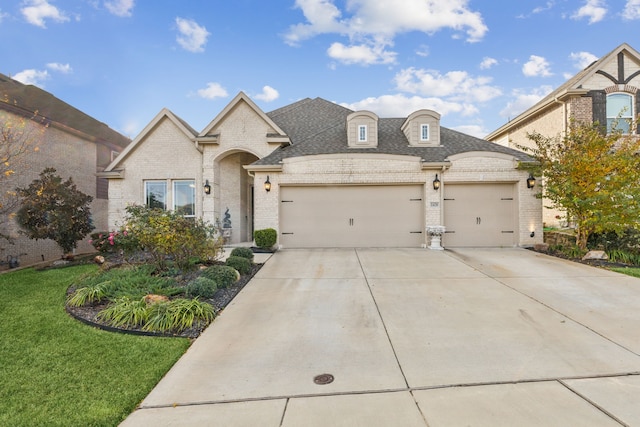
[[436, 183], [207, 187], [531, 181], [267, 185]]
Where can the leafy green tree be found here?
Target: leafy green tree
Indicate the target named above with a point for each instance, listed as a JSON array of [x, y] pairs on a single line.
[[56, 210], [592, 176]]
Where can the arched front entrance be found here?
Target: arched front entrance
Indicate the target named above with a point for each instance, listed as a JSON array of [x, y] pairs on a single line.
[[233, 195]]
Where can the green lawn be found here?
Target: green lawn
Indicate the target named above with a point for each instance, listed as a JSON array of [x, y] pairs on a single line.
[[630, 271], [56, 371]]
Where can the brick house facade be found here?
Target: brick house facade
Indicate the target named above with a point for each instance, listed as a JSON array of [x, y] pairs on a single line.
[[76, 145], [338, 177], [587, 97]]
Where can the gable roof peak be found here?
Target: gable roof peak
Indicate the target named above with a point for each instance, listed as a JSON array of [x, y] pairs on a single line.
[[240, 97]]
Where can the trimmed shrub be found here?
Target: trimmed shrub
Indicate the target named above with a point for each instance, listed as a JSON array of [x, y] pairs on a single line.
[[243, 252], [223, 275], [265, 238], [243, 265], [168, 235], [201, 287]]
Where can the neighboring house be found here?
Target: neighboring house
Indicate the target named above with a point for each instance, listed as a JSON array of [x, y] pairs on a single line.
[[336, 178], [603, 92], [68, 140]]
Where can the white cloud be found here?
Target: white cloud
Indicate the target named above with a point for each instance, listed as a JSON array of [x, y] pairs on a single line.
[[631, 10], [3, 15], [268, 94], [37, 11], [488, 63], [373, 24], [423, 51], [582, 59], [537, 66], [32, 77], [457, 84], [524, 100], [401, 106], [361, 54], [192, 36], [595, 10], [212, 91], [121, 8], [61, 68], [473, 130]]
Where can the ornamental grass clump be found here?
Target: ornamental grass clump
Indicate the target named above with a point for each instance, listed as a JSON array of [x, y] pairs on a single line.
[[125, 312], [131, 281], [161, 316], [178, 315]]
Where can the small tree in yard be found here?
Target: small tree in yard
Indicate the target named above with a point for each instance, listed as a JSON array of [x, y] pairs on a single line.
[[19, 140], [56, 210], [593, 177]]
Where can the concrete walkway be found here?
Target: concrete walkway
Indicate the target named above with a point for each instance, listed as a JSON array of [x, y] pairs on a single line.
[[413, 337]]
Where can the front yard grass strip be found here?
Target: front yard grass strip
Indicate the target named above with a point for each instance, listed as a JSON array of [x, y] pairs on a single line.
[[56, 371], [629, 271]]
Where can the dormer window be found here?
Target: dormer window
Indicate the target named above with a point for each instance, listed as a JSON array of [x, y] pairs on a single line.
[[422, 128], [424, 132], [362, 133], [362, 129]]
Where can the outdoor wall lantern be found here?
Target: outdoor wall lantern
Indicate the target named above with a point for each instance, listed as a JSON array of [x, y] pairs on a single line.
[[207, 187], [267, 185], [436, 183], [533, 234], [531, 181]]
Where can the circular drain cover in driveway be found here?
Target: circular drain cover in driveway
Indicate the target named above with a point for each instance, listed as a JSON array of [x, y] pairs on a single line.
[[323, 379]]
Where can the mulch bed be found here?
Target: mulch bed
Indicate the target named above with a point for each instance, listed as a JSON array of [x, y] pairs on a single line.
[[88, 314]]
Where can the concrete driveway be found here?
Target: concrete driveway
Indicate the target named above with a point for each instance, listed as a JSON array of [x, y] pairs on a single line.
[[413, 337]]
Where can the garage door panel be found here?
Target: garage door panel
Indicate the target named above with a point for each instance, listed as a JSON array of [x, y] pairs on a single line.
[[352, 216], [479, 215]]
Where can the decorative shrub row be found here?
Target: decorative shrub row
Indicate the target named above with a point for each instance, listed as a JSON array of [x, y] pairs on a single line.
[[241, 264]]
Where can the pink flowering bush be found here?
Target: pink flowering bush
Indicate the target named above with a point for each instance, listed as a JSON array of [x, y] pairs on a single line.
[[115, 241]]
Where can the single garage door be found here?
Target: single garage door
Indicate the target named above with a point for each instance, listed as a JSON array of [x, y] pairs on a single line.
[[352, 216], [479, 215]]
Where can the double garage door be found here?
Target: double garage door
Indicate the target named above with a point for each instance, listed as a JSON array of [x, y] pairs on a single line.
[[475, 215], [480, 215], [352, 216]]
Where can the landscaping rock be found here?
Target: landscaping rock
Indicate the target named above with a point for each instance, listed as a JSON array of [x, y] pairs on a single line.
[[154, 299], [597, 255]]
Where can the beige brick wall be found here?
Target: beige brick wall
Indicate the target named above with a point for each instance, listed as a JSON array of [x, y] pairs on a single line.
[[167, 154], [496, 168], [72, 157], [359, 169]]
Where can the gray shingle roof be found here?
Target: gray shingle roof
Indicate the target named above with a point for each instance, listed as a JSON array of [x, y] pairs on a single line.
[[316, 126], [28, 100]]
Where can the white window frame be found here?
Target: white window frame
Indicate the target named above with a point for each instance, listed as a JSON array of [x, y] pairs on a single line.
[[624, 118], [189, 183], [362, 133], [147, 185], [425, 128]]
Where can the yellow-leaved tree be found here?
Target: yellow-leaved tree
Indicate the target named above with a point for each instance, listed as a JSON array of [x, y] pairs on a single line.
[[20, 138], [593, 176]]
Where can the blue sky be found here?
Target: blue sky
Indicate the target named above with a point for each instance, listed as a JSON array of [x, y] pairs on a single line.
[[478, 63]]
